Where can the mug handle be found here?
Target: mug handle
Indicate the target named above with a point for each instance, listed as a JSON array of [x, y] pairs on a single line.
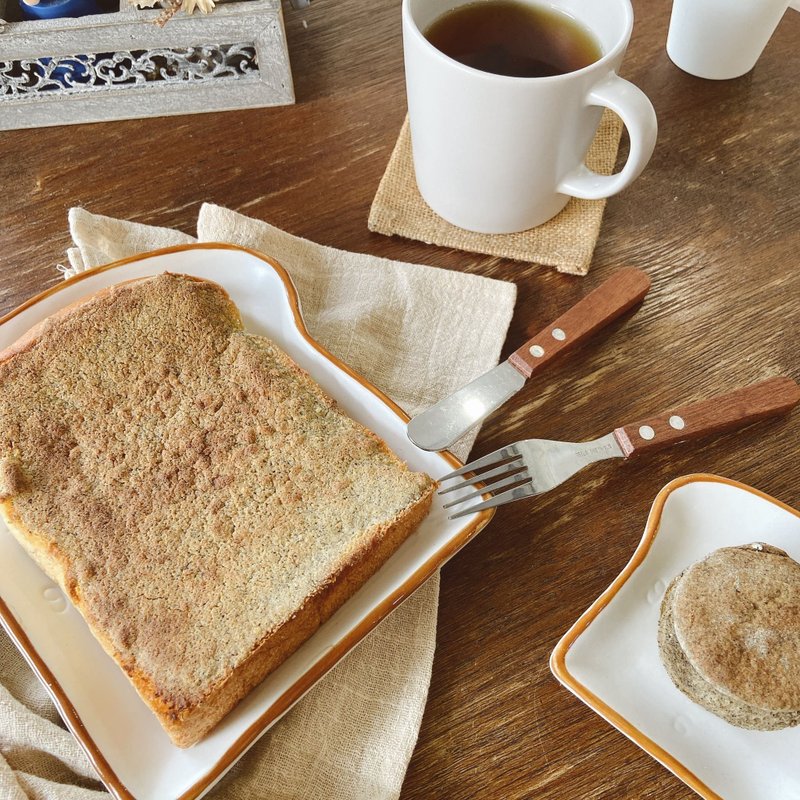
[[632, 105]]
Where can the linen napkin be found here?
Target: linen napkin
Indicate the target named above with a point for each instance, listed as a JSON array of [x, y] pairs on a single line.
[[416, 332], [565, 242]]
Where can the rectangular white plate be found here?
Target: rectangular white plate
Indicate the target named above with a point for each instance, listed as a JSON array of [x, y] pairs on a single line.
[[610, 657], [123, 739]]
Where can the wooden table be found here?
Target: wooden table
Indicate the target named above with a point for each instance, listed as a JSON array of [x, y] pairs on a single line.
[[715, 220]]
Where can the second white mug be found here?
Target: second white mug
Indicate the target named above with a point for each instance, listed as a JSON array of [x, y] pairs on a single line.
[[500, 154], [722, 39]]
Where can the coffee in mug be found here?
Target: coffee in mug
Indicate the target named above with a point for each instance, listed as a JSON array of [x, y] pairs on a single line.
[[500, 129], [508, 37]]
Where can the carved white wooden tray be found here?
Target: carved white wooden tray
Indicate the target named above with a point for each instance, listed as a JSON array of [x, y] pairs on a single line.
[[121, 65]]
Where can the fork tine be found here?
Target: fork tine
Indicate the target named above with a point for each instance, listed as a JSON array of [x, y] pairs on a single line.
[[503, 453], [518, 477], [517, 493], [510, 466]]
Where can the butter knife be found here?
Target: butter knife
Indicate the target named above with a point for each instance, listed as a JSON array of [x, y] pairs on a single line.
[[449, 419]]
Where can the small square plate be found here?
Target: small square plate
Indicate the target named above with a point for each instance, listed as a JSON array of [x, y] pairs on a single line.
[[610, 659], [122, 738]]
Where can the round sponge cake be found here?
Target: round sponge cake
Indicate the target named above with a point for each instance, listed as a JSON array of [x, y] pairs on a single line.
[[729, 635]]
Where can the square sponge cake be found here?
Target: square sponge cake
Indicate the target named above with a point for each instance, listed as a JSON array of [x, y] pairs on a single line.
[[197, 496]]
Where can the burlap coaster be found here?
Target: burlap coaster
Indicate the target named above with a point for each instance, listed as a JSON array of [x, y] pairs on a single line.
[[565, 242]]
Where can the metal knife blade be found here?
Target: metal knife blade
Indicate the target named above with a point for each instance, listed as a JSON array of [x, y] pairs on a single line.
[[446, 421]]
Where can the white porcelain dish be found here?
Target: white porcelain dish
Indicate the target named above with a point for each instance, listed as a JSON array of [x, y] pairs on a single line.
[[610, 658], [121, 736]]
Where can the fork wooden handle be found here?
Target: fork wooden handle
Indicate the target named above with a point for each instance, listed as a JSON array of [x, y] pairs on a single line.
[[717, 415], [621, 292]]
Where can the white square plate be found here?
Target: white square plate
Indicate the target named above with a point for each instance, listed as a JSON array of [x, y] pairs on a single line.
[[610, 658], [123, 739]]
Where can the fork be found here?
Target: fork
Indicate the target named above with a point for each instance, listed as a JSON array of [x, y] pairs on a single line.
[[533, 466]]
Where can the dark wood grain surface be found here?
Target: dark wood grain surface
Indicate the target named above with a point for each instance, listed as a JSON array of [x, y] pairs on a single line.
[[714, 220]]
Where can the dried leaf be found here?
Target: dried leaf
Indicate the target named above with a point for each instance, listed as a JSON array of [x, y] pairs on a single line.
[[170, 9]]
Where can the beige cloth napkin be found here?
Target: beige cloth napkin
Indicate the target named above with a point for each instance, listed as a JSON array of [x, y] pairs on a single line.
[[565, 242], [416, 332]]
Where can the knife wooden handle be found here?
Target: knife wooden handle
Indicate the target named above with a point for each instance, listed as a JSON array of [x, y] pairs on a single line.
[[622, 291], [717, 415]]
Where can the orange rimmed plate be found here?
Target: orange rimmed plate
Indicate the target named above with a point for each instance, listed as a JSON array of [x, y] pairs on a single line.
[[124, 741], [610, 660]]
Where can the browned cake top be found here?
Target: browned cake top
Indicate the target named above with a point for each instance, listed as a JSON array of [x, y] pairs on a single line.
[[196, 484], [737, 618]]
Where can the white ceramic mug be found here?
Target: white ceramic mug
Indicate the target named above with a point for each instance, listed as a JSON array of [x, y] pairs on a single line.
[[498, 154], [722, 39]]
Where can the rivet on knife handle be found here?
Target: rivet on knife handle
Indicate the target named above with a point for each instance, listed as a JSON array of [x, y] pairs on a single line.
[[717, 415], [621, 292]]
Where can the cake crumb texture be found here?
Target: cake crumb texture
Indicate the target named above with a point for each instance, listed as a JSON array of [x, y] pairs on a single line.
[[729, 635], [198, 490], [737, 618]]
